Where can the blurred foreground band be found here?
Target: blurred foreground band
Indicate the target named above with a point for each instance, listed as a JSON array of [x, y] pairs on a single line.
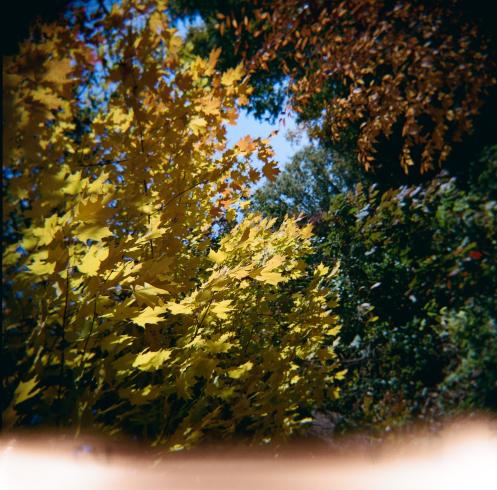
[[462, 457]]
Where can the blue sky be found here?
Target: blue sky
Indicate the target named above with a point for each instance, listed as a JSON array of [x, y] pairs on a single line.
[[283, 148]]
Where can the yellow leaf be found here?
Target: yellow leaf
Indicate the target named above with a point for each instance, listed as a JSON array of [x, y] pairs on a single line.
[[321, 270], [217, 257], [246, 144], [94, 232], [121, 119], [150, 316], [333, 330], [273, 263], [148, 294], [98, 186], [48, 98], [197, 124], [26, 390], [240, 371], [212, 62], [151, 360], [231, 76], [222, 344], [90, 263], [42, 268], [178, 309], [272, 278], [154, 227], [240, 272], [156, 23], [210, 105], [58, 71], [221, 308], [94, 209], [47, 233], [73, 184]]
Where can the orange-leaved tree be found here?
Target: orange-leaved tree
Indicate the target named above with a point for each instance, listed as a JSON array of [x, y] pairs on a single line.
[[411, 76], [141, 297]]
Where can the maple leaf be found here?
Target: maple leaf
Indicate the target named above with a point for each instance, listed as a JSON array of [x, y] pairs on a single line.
[[95, 232], [151, 360], [217, 257], [221, 308], [240, 371], [94, 209], [90, 264], [149, 316], [58, 71], [26, 390], [148, 294], [268, 277], [179, 309], [246, 145], [197, 124], [47, 233], [270, 170], [42, 268], [232, 75], [122, 231], [121, 118]]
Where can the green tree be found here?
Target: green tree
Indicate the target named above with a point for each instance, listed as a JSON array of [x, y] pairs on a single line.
[[308, 183], [417, 289]]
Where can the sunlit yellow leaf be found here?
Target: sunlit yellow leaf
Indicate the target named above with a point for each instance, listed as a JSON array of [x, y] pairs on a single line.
[[94, 232], [121, 119], [217, 257], [221, 308], [178, 309], [46, 234], [272, 278], [26, 390], [197, 124], [232, 75], [151, 360], [90, 263], [148, 294], [240, 371], [42, 268], [150, 316], [321, 270]]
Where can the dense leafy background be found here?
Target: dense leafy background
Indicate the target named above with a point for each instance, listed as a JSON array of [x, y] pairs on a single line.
[[144, 293]]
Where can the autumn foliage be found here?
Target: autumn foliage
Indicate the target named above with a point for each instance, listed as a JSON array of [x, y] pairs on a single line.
[[149, 291], [129, 310], [412, 74]]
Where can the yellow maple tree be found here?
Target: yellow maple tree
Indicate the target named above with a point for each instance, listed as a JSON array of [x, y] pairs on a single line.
[[130, 310]]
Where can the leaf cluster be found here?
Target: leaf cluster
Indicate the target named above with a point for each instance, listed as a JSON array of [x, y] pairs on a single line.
[[127, 309]]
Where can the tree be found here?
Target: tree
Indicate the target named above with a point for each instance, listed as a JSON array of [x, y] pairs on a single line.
[[308, 184], [269, 93], [126, 310], [406, 81], [417, 289]]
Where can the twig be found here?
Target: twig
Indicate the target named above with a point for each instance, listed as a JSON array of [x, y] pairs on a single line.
[[103, 163], [63, 339]]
